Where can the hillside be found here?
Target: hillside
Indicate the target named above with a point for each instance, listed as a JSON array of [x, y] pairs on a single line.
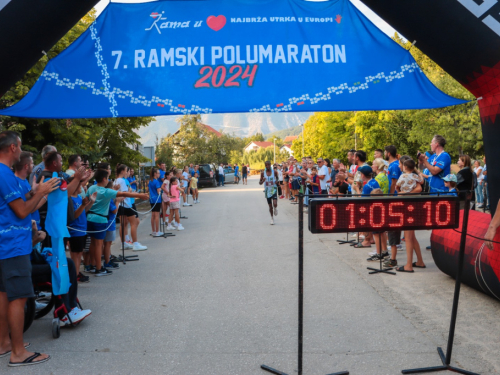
[[296, 130], [239, 124]]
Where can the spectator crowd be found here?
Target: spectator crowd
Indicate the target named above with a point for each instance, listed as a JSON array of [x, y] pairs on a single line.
[[97, 199], [389, 174]]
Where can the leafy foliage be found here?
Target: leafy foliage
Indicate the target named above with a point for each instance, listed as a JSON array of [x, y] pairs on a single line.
[[333, 134], [112, 139]]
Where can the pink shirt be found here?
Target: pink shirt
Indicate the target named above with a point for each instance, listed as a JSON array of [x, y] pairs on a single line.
[[174, 191]]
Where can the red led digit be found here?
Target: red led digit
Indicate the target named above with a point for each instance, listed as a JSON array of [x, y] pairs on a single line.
[[396, 214], [350, 207], [428, 207], [332, 217], [448, 213], [382, 215]]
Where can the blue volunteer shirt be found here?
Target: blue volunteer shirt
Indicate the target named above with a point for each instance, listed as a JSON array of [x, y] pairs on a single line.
[[154, 185], [236, 170], [15, 233], [370, 186], [132, 181], [443, 161], [191, 172], [393, 173], [80, 223], [162, 175], [26, 189], [131, 200], [112, 216]]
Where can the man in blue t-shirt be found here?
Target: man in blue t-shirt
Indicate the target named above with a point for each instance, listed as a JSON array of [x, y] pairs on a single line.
[[163, 168], [236, 175], [393, 171], [438, 164], [15, 248]]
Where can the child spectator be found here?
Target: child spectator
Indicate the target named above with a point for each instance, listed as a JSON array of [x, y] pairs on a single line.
[[175, 192], [408, 181], [450, 182], [315, 181], [111, 232], [97, 219], [379, 168], [165, 187], [194, 187], [78, 229], [367, 178], [155, 201], [380, 239]]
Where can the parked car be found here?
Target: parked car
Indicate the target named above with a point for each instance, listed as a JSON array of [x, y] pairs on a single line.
[[207, 175], [229, 175]]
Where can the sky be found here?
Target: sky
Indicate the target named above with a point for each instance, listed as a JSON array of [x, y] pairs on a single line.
[[379, 22]]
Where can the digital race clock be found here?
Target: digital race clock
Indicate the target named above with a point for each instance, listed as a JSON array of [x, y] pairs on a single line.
[[327, 215]]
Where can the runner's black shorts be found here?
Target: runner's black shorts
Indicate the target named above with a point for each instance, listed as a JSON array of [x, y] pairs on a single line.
[[155, 207], [394, 237], [270, 200]]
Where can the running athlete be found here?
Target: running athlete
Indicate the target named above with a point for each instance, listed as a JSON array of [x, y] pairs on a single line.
[[270, 178]]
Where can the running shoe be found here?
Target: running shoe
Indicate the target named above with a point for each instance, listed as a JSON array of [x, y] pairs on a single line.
[[102, 272], [272, 221], [180, 227], [139, 247], [81, 278], [385, 254], [275, 211], [170, 227], [127, 246], [89, 269], [111, 265], [40, 306], [76, 316]]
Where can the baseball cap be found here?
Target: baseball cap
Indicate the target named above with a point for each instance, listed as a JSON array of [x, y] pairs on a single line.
[[366, 170], [450, 177]]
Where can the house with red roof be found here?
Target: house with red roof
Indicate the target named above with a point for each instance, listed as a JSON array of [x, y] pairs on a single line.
[[255, 146], [290, 138]]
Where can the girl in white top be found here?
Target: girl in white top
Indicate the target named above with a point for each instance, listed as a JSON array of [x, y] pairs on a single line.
[[478, 170], [125, 211]]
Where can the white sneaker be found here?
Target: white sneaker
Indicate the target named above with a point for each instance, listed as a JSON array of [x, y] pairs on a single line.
[[272, 221], [78, 315], [158, 234], [275, 211], [180, 227], [139, 247], [197, 201], [40, 306], [127, 246], [174, 223], [187, 204], [170, 227]]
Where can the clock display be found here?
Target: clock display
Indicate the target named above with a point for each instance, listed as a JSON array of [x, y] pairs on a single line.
[[382, 213]]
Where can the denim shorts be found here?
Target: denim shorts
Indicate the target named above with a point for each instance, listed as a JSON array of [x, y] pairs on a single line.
[[99, 228], [15, 277]]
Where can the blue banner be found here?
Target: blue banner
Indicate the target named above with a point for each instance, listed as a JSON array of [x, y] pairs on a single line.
[[222, 56]]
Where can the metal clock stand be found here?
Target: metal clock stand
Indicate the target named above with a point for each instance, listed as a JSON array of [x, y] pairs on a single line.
[[446, 360], [301, 297]]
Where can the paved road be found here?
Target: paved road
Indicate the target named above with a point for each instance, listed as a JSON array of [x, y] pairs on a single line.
[[220, 298]]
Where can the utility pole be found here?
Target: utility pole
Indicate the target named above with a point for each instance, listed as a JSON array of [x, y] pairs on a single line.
[[274, 146]]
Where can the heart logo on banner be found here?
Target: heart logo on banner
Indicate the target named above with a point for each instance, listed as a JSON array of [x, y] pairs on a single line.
[[216, 23]]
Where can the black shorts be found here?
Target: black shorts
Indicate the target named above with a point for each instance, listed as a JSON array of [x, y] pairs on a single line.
[[394, 237], [77, 244], [155, 207], [15, 277], [125, 211], [270, 200]]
